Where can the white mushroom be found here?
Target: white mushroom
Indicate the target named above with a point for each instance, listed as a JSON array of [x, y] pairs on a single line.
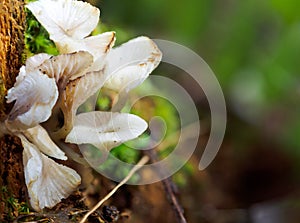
[[85, 65], [65, 19], [105, 130], [33, 62], [47, 181], [131, 63], [69, 22], [66, 67], [76, 93], [39, 136], [35, 95]]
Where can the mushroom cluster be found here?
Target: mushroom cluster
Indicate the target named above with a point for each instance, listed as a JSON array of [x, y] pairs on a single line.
[[47, 84]]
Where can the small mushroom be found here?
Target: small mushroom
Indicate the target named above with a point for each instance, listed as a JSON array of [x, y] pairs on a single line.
[[39, 136], [69, 23], [65, 19], [34, 94], [131, 63], [33, 62], [105, 130], [47, 181], [66, 67], [76, 93]]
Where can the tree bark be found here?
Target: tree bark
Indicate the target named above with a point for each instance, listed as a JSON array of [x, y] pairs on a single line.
[[12, 27]]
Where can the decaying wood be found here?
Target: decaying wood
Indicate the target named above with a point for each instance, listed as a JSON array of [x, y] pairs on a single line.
[[11, 172], [12, 23]]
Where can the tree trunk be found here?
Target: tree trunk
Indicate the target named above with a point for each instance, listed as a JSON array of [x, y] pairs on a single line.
[[12, 185]]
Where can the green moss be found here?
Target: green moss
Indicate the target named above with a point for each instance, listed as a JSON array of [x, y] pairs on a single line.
[[37, 38], [13, 207]]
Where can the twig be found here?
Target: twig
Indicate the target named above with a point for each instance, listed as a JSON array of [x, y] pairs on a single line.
[[168, 186], [169, 189], [143, 161]]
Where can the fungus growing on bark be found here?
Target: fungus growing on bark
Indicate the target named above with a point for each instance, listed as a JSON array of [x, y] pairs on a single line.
[[47, 83]]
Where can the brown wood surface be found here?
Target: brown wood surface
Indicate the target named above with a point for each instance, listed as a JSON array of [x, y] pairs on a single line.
[[12, 25]]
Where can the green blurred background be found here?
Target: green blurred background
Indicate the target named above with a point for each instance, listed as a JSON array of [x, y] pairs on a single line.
[[253, 47]]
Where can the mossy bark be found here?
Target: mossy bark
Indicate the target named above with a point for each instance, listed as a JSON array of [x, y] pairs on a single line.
[[12, 27]]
